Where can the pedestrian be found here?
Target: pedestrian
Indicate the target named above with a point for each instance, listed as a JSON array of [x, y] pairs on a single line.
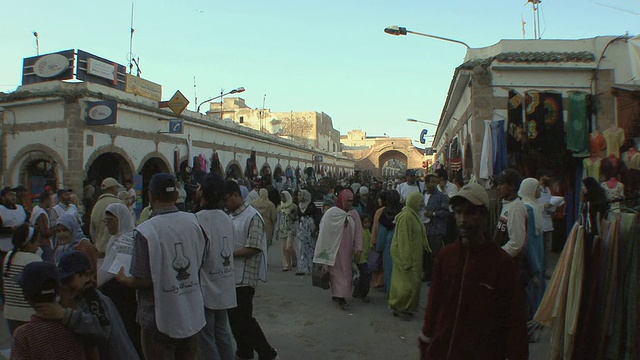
[[98, 230], [286, 231], [70, 237], [511, 230], [386, 228], [42, 339], [307, 234], [12, 215], [444, 185], [41, 221], [120, 246], [362, 201], [409, 186], [476, 306], [168, 251], [250, 265], [64, 206], [377, 277], [87, 312], [339, 241], [268, 212], [408, 244], [534, 250], [435, 215], [216, 274], [545, 178], [26, 241], [363, 284], [181, 202]]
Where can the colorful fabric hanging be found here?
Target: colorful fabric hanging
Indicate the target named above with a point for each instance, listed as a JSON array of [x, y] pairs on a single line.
[[578, 125]]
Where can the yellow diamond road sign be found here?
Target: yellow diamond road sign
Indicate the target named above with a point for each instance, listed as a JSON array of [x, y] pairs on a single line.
[[178, 103]]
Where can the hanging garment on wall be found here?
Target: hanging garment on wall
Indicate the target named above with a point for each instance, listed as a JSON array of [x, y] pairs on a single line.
[[499, 146], [615, 138], [592, 167], [486, 157], [544, 126], [598, 142], [578, 125], [515, 127]]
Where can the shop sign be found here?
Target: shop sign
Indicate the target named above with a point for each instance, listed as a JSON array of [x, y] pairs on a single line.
[[101, 69], [145, 88], [94, 69], [55, 66], [50, 65], [102, 112]]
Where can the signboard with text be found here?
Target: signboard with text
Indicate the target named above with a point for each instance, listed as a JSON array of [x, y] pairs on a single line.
[[94, 69], [102, 112], [48, 67], [145, 88]]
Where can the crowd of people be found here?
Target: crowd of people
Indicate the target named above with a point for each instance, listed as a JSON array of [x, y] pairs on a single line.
[[178, 282]]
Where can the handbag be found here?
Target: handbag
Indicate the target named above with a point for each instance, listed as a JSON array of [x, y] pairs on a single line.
[[374, 261], [320, 276]]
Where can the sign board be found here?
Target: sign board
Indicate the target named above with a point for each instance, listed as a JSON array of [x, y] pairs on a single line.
[[145, 88], [422, 135], [428, 151], [102, 112], [177, 103], [94, 69], [55, 66], [176, 126], [319, 158]]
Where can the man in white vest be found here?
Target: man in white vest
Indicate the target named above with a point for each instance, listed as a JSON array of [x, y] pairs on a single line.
[[218, 282], [167, 256], [40, 220], [250, 265], [64, 206], [11, 215]]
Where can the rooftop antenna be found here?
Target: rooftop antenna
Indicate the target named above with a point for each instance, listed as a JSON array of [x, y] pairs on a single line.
[[262, 114], [535, 4], [195, 94], [35, 33], [131, 57], [524, 23]]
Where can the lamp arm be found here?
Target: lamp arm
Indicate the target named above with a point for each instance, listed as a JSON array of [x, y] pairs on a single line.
[[440, 38]]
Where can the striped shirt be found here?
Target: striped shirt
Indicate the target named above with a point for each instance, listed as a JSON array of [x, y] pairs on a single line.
[[44, 340], [16, 307]]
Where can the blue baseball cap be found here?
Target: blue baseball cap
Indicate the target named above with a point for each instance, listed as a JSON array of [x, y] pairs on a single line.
[[72, 262], [34, 277], [163, 183]]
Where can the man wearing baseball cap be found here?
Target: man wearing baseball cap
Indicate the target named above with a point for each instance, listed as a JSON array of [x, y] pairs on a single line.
[[511, 229], [99, 232], [476, 302]]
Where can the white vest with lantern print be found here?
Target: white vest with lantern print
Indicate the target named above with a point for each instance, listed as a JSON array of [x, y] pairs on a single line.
[[176, 249]]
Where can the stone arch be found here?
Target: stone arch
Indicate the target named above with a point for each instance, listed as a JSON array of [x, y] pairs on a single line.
[[234, 168], [158, 155], [110, 149], [392, 154], [28, 154], [110, 164], [150, 166]]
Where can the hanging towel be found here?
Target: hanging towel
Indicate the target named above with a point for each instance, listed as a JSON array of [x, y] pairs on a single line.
[[500, 161], [486, 159], [578, 125]]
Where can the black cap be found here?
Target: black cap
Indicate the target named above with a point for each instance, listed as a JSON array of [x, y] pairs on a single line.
[[35, 275], [62, 191], [163, 183], [73, 262], [410, 172], [509, 176], [5, 191]]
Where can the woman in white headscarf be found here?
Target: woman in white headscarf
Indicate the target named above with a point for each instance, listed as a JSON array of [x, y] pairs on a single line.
[[120, 225], [286, 230], [534, 249], [307, 235]]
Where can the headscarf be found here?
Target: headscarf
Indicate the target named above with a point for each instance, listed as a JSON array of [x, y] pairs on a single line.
[[70, 222], [306, 200], [125, 222], [527, 192], [342, 196], [287, 203], [414, 201], [409, 222], [263, 198], [121, 242]]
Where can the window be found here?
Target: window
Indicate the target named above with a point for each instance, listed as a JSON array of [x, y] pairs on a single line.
[[241, 119]]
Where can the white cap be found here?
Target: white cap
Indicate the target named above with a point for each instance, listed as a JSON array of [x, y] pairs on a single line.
[[110, 182], [474, 193]]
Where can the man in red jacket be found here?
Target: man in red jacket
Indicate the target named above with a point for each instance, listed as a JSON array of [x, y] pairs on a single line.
[[476, 307]]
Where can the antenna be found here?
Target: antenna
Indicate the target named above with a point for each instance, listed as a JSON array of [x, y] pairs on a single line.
[[130, 56], [524, 31], [35, 33], [195, 93], [264, 98], [535, 4]]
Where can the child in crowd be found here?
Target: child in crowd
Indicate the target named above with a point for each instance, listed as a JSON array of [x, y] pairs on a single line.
[[42, 339], [87, 312], [361, 288], [26, 241]]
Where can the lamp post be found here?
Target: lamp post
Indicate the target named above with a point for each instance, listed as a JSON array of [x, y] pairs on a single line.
[[234, 91], [421, 122], [399, 30]]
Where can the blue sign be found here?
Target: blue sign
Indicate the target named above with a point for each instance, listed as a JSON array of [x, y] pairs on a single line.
[[102, 112], [422, 135], [176, 126]]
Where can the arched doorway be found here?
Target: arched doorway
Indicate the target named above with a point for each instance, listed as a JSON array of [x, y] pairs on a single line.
[[151, 167], [38, 174], [109, 164], [392, 163]]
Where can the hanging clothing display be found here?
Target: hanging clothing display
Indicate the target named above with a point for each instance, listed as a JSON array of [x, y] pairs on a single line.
[[598, 142], [615, 138], [610, 167], [592, 167], [544, 125], [486, 158], [515, 129], [500, 162], [578, 125]]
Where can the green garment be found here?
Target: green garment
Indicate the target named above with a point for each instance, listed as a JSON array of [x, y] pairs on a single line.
[[366, 246], [409, 242], [578, 125], [145, 214]]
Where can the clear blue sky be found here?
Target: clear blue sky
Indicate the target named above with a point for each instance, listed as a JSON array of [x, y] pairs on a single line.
[[330, 56]]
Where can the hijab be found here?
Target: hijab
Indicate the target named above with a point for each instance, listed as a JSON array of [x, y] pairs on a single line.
[[287, 203], [70, 222], [527, 192], [125, 222], [263, 197], [342, 197], [306, 200]]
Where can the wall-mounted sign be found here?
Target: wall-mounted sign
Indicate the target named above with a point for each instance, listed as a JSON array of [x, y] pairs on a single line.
[[55, 66], [176, 126], [319, 158], [144, 88], [102, 112], [177, 103], [94, 69], [428, 151], [422, 135]]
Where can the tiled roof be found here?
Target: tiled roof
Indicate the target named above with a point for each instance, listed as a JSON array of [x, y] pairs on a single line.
[[532, 57]]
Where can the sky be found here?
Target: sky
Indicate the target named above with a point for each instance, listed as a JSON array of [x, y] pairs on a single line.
[[296, 55]]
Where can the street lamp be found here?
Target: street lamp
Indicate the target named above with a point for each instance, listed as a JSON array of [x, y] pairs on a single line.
[[421, 122], [234, 91], [398, 30]]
